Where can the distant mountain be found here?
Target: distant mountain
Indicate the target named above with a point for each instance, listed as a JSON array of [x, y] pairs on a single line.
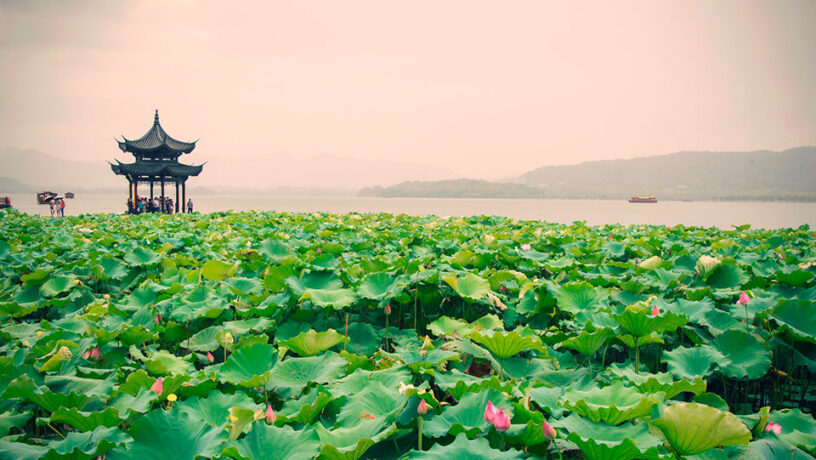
[[759, 175], [262, 172]]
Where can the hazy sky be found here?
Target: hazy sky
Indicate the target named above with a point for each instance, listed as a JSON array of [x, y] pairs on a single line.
[[484, 89]]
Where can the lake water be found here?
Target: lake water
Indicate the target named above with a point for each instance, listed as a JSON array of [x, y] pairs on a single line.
[[594, 212]]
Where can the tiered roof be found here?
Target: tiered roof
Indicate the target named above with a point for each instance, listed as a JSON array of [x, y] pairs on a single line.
[[156, 142]]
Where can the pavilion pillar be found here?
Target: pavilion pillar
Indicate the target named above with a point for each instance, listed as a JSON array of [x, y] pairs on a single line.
[[130, 190], [151, 188], [177, 196], [162, 188], [135, 189], [184, 196]]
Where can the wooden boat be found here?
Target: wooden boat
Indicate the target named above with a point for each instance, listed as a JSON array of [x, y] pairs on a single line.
[[643, 199], [5, 202], [42, 197], [69, 194]]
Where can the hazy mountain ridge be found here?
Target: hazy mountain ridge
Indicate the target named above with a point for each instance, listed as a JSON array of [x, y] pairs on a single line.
[[757, 175]]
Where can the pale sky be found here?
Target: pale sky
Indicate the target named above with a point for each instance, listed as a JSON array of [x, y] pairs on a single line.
[[482, 89]]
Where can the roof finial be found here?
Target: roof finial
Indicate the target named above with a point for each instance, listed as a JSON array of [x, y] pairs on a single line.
[[156, 119]]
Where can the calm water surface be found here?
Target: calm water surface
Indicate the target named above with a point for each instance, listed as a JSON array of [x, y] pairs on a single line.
[[594, 212]]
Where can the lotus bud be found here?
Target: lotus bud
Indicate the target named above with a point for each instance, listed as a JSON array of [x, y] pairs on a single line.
[[319, 251], [490, 412], [547, 430], [501, 421], [422, 408], [157, 386], [525, 247], [655, 310], [210, 357], [157, 318], [95, 354], [87, 354], [610, 237], [270, 414], [744, 299], [775, 427], [388, 309]]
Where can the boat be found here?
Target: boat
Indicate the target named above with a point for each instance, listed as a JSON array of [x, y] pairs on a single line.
[[5, 202], [42, 197], [69, 194], [643, 199]]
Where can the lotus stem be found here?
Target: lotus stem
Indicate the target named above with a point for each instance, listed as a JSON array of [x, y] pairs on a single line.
[[55, 430], [637, 357], [346, 333], [419, 439], [416, 290]]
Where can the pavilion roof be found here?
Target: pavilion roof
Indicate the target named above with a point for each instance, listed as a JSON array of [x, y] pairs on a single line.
[[156, 141], [156, 168]]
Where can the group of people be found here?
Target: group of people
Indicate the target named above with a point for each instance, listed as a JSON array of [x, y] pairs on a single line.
[[57, 206], [164, 205]]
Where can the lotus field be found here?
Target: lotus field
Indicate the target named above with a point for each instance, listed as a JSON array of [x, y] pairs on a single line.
[[278, 335]]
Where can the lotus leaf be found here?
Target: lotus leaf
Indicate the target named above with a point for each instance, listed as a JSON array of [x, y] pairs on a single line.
[[599, 441], [463, 448], [578, 296], [747, 355], [271, 442], [799, 317], [506, 344], [250, 366], [690, 362], [467, 416], [587, 342], [296, 373], [798, 428], [311, 343], [613, 404], [692, 428]]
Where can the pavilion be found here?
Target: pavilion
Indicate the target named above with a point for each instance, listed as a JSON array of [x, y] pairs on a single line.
[[157, 157]]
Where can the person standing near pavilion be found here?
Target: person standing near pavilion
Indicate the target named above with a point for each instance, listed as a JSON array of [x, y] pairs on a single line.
[[51, 205], [62, 208], [190, 205]]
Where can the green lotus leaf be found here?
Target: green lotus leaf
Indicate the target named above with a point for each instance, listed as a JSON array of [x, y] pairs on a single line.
[[334, 298], [245, 286], [240, 418], [463, 448], [358, 380], [467, 416], [25, 388], [747, 356], [470, 287], [794, 277], [296, 373], [381, 286], [12, 419], [578, 296], [140, 256], [216, 270], [275, 249], [163, 362], [15, 310], [374, 401], [21, 451], [506, 344], [772, 449], [89, 444], [726, 277], [661, 382], [445, 325], [249, 366], [587, 342], [87, 421], [314, 281], [712, 400], [55, 361], [350, 443], [798, 317], [36, 278], [214, 409], [415, 357], [57, 285], [111, 268], [651, 263], [599, 441], [692, 428], [271, 442], [613, 404], [798, 428], [307, 408], [456, 383], [638, 320], [311, 342], [692, 362], [171, 435]]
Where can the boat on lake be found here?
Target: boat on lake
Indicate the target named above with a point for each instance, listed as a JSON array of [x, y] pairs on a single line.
[[42, 197], [643, 199], [69, 194], [5, 202]]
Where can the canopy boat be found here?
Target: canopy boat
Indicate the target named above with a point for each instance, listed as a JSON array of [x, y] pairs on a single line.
[[42, 197], [643, 199], [5, 202], [69, 194]]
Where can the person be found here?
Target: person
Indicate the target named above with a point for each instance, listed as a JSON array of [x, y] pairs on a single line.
[[51, 204], [190, 205], [130, 206], [62, 208]]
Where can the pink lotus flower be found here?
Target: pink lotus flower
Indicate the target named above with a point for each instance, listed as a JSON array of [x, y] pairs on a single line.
[[501, 421], [502, 288], [422, 408], [548, 430], [157, 318], [157, 386], [87, 354], [490, 412], [655, 310], [610, 239], [319, 251], [388, 309], [744, 299], [210, 357], [775, 427], [525, 247], [270, 414], [95, 354]]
